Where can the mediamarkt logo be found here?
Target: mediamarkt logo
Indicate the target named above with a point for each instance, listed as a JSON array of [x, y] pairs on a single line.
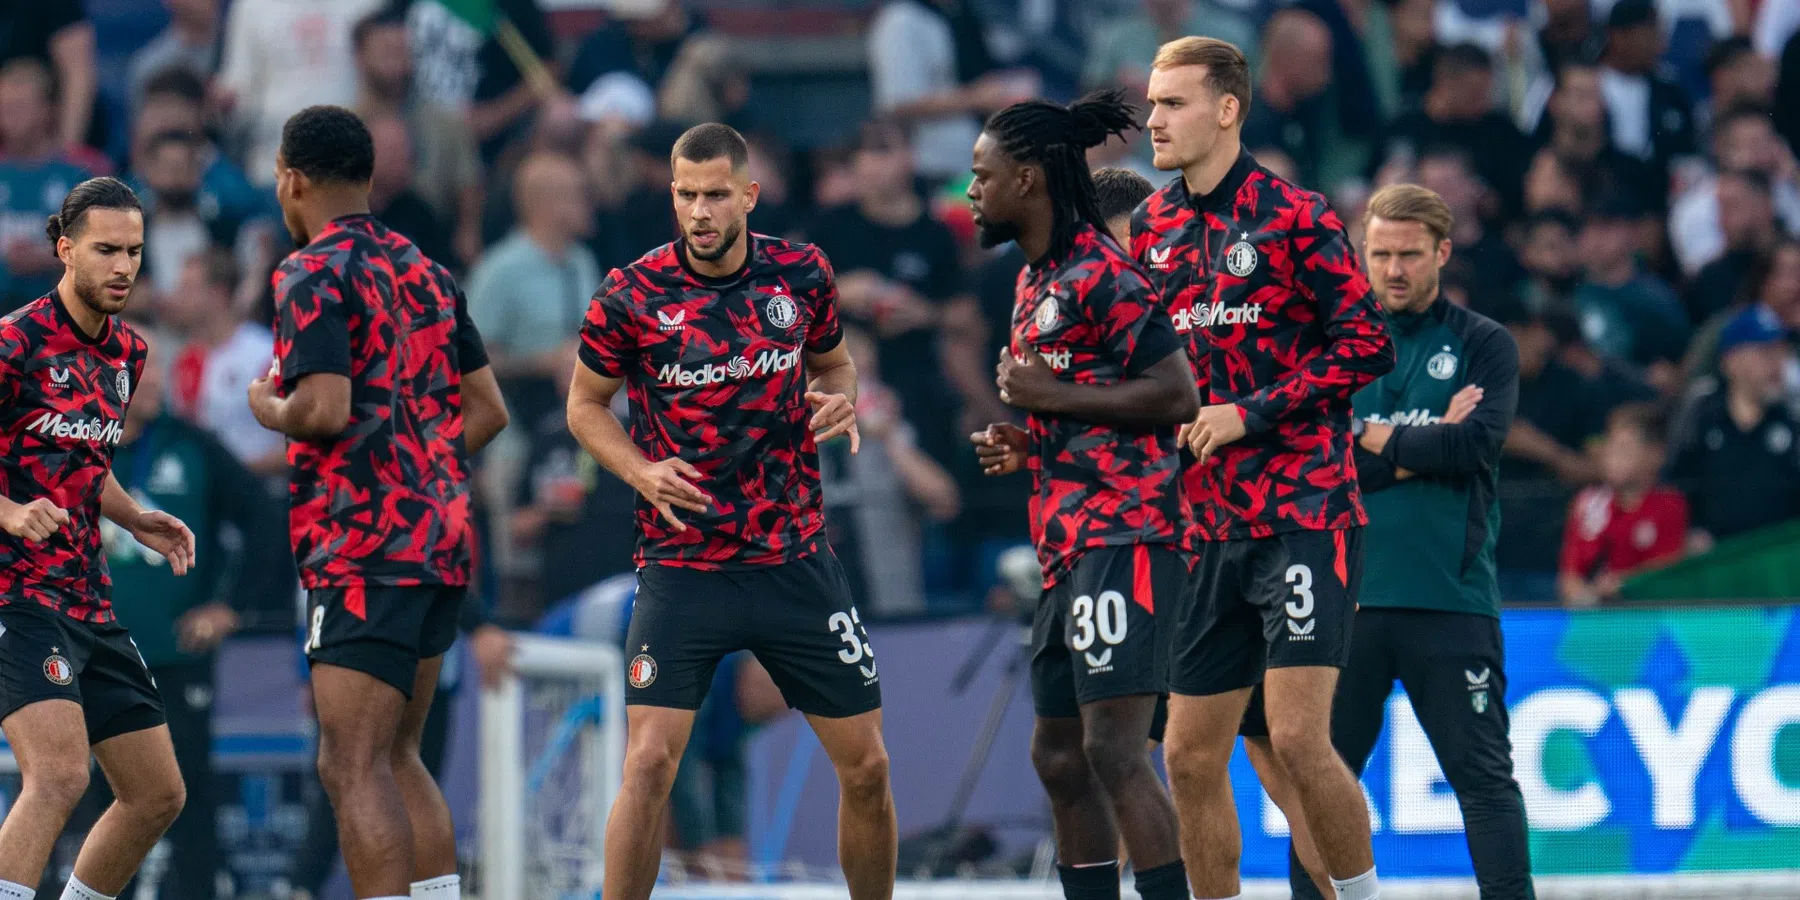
[[768, 362], [106, 431], [1202, 315]]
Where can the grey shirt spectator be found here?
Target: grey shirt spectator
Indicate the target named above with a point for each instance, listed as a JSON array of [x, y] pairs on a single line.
[[916, 75], [192, 41]]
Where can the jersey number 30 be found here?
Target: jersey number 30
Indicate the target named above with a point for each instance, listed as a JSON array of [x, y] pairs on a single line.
[[1104, 618]]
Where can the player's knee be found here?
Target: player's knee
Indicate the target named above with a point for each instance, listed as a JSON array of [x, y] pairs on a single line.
[[62, 782], [1194, 764], [651, 765], [161, 805], [1061, 765], [1115, 757], [865, 780], [1299, 748]]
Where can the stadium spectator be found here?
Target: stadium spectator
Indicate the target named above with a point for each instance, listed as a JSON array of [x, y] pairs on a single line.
[[1627, 523], [223, 353], [445, 172], [1738, 77], [59, 36], [1123, 47], [1735, 455], [1747, 223], [631, 208], [577, 514], [530, 292], [1566, 33], [1550, 184], [1743, 139], [459, 66], [1402, 49], [1292, 111], [1552, 266], [705, 84], [1787, 92], [35, 173], [877, 500], [191, 41], [643, 39], [1459, 111], [900, 276], [1575, 129], [279, 58], [1651, 116], [180, 219], [1626, 312], [1546, 457], [394, 197], [1776, 23], [1774, 282], [929, 67], [177, 624], [1482, 256]]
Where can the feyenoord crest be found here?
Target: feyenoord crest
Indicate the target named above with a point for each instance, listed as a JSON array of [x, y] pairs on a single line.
[[1047, 312], [781, 311], [643, 670], [58, 669], [1442, 365], [1241, 260], [124, 383], [1479, 701]]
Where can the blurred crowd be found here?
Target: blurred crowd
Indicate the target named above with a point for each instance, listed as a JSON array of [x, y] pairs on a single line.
[[1622, 174]]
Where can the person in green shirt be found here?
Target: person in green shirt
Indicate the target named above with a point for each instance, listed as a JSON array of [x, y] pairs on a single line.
[[178, 623], [1429, 435]]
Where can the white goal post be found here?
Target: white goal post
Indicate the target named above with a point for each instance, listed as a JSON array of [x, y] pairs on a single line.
[[552, 756]]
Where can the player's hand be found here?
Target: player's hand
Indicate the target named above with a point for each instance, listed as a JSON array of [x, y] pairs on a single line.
[[493, 649], [263, 400], [833, 415], [1028, 383], [1001, 448], [166, 535], [204, 627], [1215, 427], [1375, 437], [35, 521], [1463, 403], [668, 484]]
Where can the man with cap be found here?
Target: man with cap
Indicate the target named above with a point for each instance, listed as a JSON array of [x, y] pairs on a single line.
[[1734, 452], [1651, 116]]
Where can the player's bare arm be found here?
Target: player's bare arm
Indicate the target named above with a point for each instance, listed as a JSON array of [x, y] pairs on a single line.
[[153, 528], [831, 390], [668, 484], [1001, 448], [1163, 395], [483, 408], [317, 408]]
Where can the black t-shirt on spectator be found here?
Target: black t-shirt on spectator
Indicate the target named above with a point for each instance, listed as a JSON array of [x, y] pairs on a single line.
[[923, 256], [457, 72], [1297, 133], [1736, 480], [611, 48], [599, 540], [409, 214], [1718, 285], [641, 223], [1533, 501], [1496, 147]]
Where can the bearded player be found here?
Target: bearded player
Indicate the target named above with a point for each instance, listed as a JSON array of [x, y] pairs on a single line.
[[383, 389], [1261, 276], [729, 345], [71, 681], [1096, 363]]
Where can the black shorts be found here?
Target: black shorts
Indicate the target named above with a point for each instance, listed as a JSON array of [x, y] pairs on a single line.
[[45, 655], [797, 617], [1094, 635], [1260, 603], [384, 632]]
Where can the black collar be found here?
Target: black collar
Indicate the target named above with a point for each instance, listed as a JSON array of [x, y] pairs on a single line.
[[1222, 194], [681, 256], [62, 313]]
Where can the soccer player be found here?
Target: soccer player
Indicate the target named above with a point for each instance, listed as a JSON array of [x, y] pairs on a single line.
[[1260, 275], [730, 347], [1096, 363], [382, 387], [1427, 456], [1119, 192], [71, 681]]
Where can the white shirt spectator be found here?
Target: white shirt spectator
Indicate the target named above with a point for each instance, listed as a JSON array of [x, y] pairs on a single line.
[[282, 56], [1694, 232], [210, 388], [1776, 22], [912, 54]]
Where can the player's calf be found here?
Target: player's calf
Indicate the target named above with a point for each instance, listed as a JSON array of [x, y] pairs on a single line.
[[1112, 743], [868, 839], [1202, 733], [655, 739], [1086, 841], [49, 740], [148, 794], [1299, 713]]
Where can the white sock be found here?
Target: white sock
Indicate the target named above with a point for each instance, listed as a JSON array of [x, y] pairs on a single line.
[[10, 891], [1362, 887], [78, 891], [447, 887]]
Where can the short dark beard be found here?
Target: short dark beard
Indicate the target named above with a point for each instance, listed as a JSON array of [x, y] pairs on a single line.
[[92, 295], [727, 239], [993, 234]]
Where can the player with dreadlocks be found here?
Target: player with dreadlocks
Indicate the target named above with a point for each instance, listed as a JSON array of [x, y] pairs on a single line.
[[1095, 364]]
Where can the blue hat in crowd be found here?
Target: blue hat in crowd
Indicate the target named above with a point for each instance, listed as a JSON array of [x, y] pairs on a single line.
[[1756, 325]]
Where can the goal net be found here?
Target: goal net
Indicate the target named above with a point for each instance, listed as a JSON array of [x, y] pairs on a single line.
[[552, 750]]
